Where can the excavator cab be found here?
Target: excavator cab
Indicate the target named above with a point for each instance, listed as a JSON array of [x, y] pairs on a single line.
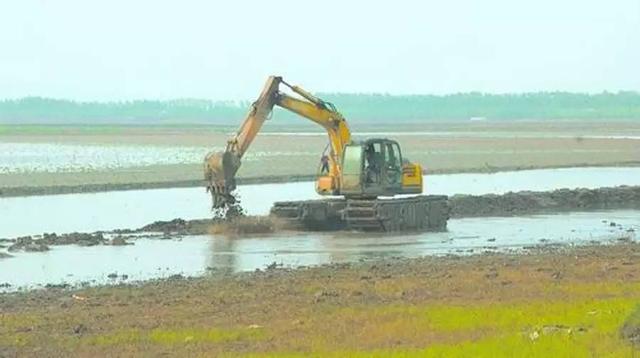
[[375, 167]]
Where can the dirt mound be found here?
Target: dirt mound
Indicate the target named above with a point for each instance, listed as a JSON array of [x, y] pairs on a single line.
[[236, 225], [39, 244], [171, 226], [231, 220], [246, 225], [28, 244], [78, 238], [119, 241], [178, 226], [528, 202], [222, 217]]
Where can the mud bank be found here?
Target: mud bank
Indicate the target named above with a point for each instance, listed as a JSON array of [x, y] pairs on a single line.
[[242, 225], [96, 188], [529, 202], [40, 243], [177, 226]]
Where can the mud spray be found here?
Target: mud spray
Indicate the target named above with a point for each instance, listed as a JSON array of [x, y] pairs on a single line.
[[231, 220], [230, 210]]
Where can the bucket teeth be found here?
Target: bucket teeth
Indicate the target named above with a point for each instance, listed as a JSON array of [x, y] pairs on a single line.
[[219, 172], [220, 197]]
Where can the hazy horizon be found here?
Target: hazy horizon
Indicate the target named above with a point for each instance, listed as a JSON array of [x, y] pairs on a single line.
[[244, 101], [120, 51]]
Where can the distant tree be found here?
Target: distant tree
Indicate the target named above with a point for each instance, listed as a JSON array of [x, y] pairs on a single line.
[[356, 107]]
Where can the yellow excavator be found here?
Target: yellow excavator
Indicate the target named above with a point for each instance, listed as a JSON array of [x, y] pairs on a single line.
[[362, 172]]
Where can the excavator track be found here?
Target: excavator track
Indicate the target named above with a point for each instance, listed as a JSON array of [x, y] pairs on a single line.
[[316, 215], [418, 213]]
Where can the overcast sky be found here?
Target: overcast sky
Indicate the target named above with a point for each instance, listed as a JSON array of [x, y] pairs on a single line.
[[126, 49]]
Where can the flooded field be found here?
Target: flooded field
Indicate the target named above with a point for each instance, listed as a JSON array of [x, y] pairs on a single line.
[[36, 157], [197, 255], [132, 209]]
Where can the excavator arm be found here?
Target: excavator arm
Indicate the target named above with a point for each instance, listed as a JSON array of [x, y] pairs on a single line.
[[220, 168]]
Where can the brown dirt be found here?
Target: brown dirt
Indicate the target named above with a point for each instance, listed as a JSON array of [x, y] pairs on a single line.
[[248, 225], [42, 243], [529, 202], [178, 226], [333, 307]]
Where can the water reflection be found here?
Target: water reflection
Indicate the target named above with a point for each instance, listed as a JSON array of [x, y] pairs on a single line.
[[222, 255]]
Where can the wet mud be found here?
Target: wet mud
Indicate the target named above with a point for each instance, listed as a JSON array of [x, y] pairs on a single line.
[[248, 225], [230, 218], [530, 202], [42, 242], [178, 226]]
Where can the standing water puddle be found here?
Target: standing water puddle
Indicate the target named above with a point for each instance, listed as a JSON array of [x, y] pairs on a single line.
[[132, 209]]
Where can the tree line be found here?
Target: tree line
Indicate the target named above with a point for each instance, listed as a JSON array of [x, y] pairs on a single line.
[[355, 107]]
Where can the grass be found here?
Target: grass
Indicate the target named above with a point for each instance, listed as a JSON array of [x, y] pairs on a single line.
[[175, 336], [526, 329], [543, 328]]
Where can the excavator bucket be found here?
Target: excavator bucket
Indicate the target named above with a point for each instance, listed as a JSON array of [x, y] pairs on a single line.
[[220, 174]]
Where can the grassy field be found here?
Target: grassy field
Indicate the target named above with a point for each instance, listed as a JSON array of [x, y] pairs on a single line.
[[453, 147], [569, 302]]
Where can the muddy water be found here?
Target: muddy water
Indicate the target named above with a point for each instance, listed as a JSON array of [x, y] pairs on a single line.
[[131, 209], [197, 255]]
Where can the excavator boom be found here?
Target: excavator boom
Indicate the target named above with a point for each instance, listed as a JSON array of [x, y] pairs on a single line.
[[221, 167]]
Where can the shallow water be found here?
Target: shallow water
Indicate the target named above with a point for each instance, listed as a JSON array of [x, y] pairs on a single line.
[[36, 157], [197, 255], [132, 209]]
